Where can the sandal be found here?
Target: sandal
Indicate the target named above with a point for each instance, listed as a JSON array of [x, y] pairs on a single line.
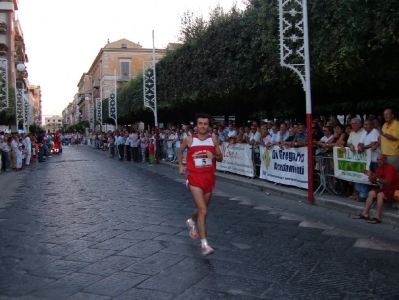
[[361, 217], [355, 194], [359, 199], [374, 221]]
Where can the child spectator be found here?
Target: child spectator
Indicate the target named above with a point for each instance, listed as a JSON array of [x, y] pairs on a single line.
[[151, 152]]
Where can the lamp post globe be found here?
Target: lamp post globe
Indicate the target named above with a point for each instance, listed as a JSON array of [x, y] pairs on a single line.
[[21, 67], [87, 98]]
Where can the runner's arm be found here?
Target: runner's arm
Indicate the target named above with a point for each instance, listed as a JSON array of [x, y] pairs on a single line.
[[218, 153], [184, 145]]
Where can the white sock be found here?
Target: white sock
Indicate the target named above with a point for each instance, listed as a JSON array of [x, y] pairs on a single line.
[[191, 222], [203, 242]]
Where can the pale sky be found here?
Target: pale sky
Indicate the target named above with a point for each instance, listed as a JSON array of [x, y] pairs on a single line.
[[62, 38]]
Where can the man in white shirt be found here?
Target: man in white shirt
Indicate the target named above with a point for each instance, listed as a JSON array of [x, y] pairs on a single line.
[[356, 134], [275, 136], [28, 148], [120, 142], [254, 135], [369, 140], [232, 132]]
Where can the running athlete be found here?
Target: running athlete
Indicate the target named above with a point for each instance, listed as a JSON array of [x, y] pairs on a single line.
[[203, 152]]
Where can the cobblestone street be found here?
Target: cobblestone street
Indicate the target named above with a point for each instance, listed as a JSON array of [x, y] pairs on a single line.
[[85, 226]]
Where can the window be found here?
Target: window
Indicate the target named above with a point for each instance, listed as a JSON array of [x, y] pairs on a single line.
[[124, 45], [125, 70]]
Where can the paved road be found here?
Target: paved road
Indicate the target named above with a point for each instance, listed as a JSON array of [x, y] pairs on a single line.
[[85, 226]]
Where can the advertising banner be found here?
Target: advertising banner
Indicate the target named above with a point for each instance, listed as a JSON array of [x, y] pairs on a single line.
[[286, 166], [237, 158], [349, 165]]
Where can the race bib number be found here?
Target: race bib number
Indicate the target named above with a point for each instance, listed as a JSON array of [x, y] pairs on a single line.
[[201, 161]]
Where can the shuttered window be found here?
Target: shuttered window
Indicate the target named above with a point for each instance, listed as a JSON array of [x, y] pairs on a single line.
[[125, 70]]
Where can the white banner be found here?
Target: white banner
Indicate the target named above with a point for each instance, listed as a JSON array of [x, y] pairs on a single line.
[[237, 158], [286, 166], [349, 165]]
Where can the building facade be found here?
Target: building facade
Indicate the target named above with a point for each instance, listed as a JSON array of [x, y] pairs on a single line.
[[13, 58], [117, 62], [52, 123]]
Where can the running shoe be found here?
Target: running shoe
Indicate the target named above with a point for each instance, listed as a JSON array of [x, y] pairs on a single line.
[[207, 250], [192, 231]]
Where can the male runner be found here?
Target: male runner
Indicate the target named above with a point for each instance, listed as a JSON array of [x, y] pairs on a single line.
[[203, 152]]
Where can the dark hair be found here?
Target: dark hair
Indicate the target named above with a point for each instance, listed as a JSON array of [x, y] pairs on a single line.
[[202, 116], [340, 126], [348, 125]]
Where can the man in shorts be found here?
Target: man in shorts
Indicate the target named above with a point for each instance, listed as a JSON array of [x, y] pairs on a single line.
[[387, 176], [203, 152]]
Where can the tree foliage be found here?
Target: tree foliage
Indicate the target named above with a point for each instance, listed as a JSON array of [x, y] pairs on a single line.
[[229, 64]]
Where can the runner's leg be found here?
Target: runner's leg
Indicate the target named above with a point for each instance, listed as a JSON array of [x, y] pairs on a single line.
[[199, 216]]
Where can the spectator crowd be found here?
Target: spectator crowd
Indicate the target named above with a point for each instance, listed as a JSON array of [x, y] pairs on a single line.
[[379, 133]]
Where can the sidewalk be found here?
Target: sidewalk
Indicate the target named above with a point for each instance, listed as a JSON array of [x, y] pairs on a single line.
[[351, 207]]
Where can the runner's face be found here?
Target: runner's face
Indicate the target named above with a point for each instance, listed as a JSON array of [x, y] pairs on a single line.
[[202, 125]]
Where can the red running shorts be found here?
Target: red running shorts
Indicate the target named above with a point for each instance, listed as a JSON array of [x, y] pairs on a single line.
[[205, 181]]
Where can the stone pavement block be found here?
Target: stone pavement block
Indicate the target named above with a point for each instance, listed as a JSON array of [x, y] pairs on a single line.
[[103, 235], [130, 225], [139, 235], [193, 249], [195, 293], [173, 281], [235, 285], [285, 291], [205, 264], [115, 244], [109, 265], [175, 239], [58, 269], [86, 296], [18, 283], [65, 238], [66, 286], [144, 249], [28, 297], [142, 294], [31, 262], [69, 248], [259, 272], [115, 284], [89, 255], [163, 229], [155, 264]]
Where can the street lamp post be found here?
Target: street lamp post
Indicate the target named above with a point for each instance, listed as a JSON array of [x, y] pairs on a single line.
[[3, 84], [20, 98], [112, 104], [150, 92], [294, 54], [91, 109]]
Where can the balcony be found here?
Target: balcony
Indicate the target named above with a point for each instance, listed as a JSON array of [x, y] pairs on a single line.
[[3, 49], [3, 27], [125, 77], [19, 41], [19, 57]]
